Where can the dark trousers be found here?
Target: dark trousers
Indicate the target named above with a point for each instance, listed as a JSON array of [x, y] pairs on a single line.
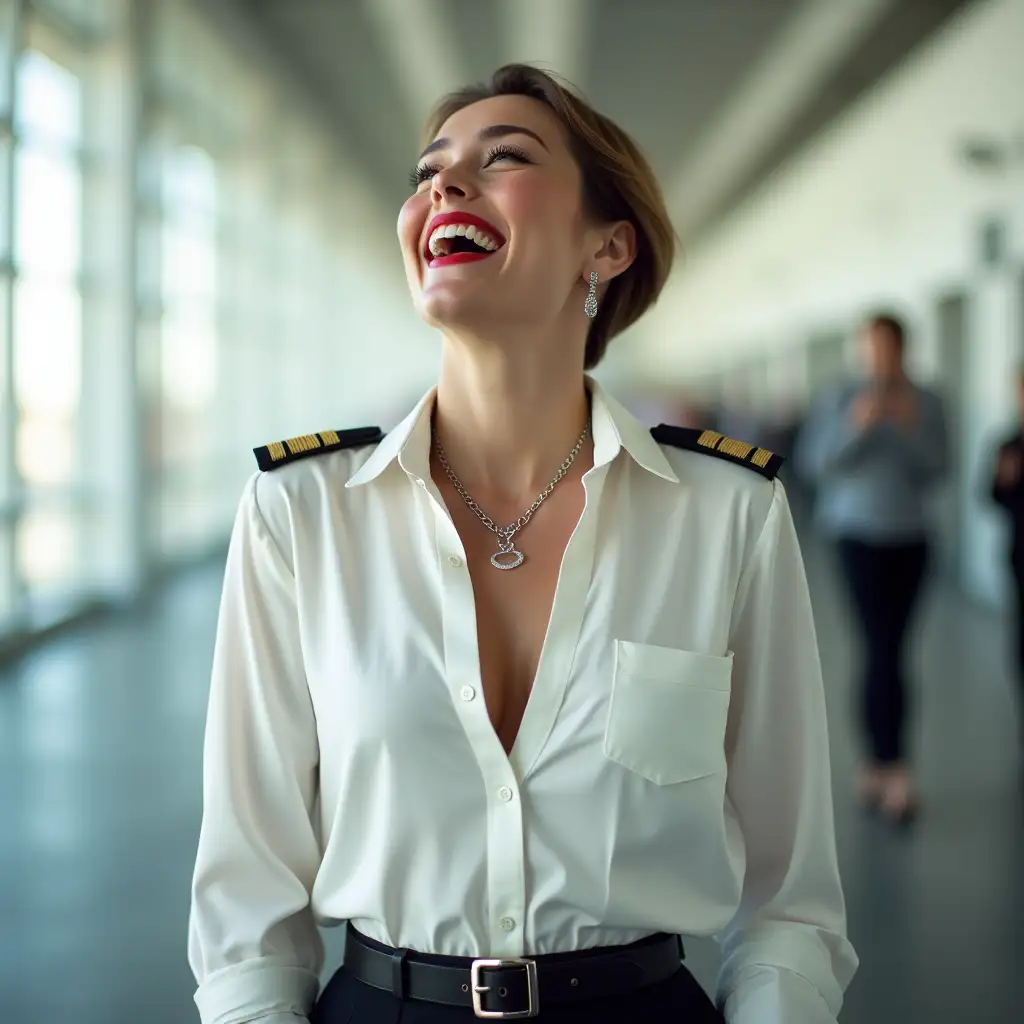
[[680, 998], [884, 581], [1017, 565]]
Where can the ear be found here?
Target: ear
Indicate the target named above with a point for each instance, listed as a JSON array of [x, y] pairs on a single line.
[[615, 251]]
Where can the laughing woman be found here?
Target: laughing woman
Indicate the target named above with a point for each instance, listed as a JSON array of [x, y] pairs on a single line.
[[522, 692]]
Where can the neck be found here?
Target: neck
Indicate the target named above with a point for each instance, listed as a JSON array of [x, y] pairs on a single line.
[[890, 380], [507, 420]]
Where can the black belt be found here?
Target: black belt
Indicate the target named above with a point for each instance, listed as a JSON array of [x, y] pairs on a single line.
[[512, 987]]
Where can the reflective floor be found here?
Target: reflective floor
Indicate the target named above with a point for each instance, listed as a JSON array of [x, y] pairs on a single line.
[[100, 741]]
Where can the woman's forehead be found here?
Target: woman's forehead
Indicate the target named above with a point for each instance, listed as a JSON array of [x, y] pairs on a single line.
[[465, 125]]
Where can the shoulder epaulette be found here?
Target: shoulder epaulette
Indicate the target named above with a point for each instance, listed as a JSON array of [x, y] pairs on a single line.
[[280, 453], [760, 460]]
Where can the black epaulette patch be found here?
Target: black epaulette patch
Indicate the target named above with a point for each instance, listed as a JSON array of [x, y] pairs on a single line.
[[760, 460], [280, 453]]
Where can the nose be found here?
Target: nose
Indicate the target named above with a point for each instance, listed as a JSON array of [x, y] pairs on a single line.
[[449, 184]]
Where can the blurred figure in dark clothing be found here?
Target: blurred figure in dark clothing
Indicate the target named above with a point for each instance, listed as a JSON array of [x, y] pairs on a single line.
[[873, 447], [1008, 491]]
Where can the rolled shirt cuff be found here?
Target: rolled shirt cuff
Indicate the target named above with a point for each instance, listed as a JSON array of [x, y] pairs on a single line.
[[257, 990], [774, 995]]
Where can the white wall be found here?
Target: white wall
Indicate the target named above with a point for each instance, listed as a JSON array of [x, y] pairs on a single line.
[[881, 208], [878, 206]]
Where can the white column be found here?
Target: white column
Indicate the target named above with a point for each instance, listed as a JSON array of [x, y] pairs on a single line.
[[996, 332]]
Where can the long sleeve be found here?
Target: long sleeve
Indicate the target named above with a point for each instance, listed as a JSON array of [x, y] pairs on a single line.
[[253, 944], [828, 440], [786, 956]]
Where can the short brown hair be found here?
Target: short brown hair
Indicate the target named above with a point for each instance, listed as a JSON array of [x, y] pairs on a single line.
[[891, 323], [617, 184]]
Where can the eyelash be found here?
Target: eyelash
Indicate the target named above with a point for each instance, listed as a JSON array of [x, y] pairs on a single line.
[[424, 172]]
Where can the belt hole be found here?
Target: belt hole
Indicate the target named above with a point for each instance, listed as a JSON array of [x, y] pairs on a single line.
[[502, 991], [465, 988], [574, 982]]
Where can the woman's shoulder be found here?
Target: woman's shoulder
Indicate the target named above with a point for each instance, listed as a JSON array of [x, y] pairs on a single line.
[[295, 472], [725, 473]]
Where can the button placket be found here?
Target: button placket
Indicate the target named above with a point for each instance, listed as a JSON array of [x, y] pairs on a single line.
[[506, 869]]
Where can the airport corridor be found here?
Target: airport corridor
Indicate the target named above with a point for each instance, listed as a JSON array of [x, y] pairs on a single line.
[[100, 777]]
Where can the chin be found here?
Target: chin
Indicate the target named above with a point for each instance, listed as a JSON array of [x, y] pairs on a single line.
[[446, 305]]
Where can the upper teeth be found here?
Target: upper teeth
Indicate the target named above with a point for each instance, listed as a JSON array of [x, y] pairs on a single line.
[[471, 231]]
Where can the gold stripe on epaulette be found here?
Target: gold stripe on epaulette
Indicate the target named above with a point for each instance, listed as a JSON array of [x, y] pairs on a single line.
[[761, 457], [305, 443], [330, 436], [277, 451], [709, 439], [739, 449]]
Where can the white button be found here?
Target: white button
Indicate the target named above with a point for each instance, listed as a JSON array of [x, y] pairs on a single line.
[[421, 482], [454, 561], [505, 793], [507, 924], [467, 693]]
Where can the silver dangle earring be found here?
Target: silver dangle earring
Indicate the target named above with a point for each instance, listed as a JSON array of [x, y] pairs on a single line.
[[590, 306]]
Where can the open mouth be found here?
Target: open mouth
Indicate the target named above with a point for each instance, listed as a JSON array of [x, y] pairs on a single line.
[[460, 238]]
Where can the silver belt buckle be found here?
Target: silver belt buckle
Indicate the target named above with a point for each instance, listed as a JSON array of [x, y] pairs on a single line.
[[532, 995]]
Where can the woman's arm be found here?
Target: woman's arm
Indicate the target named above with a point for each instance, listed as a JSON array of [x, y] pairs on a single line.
[[786, 956], [253, 945]]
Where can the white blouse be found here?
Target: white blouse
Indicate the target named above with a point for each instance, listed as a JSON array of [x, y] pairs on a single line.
[[671, 772]]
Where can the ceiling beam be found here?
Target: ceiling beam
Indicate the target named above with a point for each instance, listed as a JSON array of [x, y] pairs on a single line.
[[818, 38], [420, 51], [552, 34]]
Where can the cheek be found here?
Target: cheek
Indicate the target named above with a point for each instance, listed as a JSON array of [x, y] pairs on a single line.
[[523, 199], [411, 219], [547, 216]]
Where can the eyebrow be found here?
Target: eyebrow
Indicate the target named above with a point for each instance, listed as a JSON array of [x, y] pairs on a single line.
[[494, 131]]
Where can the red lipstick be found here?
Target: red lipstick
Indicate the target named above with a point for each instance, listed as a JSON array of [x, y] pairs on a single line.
[[443, 220]]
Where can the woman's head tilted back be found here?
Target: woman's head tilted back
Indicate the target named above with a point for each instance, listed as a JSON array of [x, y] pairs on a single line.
[[522, 192]]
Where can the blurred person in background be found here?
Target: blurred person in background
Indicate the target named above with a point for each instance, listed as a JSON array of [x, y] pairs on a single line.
[[560, 743], [873, 448], [1007, 490]]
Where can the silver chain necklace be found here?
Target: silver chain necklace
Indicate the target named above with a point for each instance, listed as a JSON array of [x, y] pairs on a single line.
[[506, 545]]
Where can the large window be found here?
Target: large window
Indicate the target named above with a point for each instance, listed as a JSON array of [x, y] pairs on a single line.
[[188, 349], [47, 320], [172, 289]]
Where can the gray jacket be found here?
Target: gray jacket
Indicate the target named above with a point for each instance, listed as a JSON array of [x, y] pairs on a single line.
[[872, 485]]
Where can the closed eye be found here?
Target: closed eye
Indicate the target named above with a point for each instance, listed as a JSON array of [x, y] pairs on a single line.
[[422, 173], [503, 151]]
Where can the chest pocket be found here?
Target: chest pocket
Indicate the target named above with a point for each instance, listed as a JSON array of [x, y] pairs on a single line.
[[668, 711]]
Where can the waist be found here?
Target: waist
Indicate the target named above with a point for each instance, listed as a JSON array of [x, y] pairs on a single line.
[[513, 987], [874, 511]]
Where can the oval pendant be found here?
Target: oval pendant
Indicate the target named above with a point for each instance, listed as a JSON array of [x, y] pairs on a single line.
[[517, 559]]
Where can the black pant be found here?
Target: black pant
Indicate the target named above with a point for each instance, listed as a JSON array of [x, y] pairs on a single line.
[[348, 1001], [884, 582], [1017, 565]]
